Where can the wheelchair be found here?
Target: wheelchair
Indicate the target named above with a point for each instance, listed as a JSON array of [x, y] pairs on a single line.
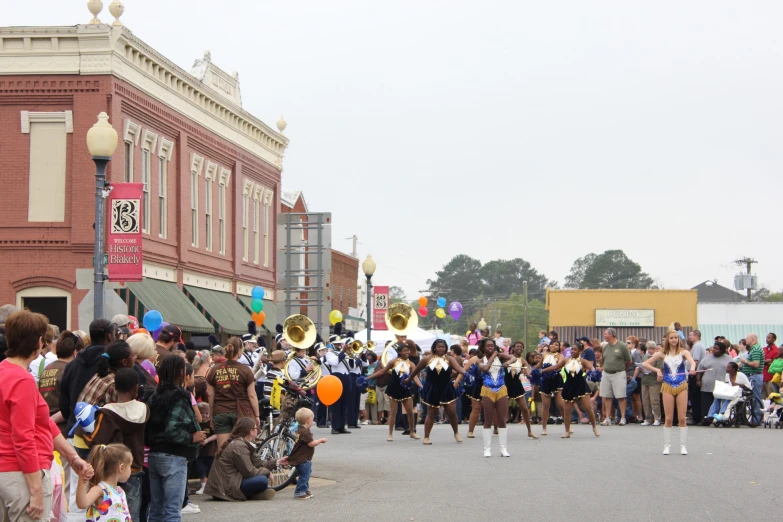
[[741, 414]]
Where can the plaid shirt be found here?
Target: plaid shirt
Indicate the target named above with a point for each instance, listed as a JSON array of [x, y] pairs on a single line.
[[180, 425], [99, 391]]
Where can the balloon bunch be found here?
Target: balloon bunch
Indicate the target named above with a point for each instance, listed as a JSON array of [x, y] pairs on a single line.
[[153, 323], [455, 309], [257, 305]]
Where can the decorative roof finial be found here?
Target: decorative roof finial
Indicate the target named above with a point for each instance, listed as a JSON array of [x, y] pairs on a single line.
[[281, 124], [95, 7], [116, 8]]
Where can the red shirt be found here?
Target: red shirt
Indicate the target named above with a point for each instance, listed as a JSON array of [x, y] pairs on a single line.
[[27, 443], [770, 352]]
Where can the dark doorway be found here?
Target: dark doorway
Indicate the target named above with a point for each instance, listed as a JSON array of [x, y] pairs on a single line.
[[55, 308]]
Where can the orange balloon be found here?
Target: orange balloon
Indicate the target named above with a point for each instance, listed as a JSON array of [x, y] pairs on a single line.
[[329, 390], [423, 301], [258, 318], [142, 330]]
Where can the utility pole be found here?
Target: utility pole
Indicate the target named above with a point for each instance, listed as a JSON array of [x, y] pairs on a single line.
[[355, 240], [524, 298], [748, 262]]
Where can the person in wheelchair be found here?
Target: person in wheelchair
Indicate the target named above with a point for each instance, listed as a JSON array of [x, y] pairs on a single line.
[[721, 408]]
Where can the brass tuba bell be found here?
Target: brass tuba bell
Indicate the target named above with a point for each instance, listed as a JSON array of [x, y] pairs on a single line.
[[401, 319], [299, 331]]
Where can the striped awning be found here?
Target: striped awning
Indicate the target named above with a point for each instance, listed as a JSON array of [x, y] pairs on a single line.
[[171, 302], [222, 308], [270, 309]]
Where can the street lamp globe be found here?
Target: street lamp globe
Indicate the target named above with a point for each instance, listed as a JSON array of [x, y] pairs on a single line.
[[482, 325], [368, 266], [102, 138]]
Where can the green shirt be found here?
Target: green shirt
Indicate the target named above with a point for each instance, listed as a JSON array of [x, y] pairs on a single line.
[[616, 357], [756, 354]]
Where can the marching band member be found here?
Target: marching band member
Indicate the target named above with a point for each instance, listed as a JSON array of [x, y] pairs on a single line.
[[358, 365], [473, 391], [398, 392], [516, 390], [494, 394], [249, 355], [321, 411], [551, 382], [302, 364], [339, 362], [438, 389]]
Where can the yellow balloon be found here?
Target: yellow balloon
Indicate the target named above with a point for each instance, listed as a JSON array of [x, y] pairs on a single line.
[[335, 316], [440, 313]]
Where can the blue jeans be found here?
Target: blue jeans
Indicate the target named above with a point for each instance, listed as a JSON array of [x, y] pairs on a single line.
[[757, 383], [168, 480], [303, 480], [253, 486], [132, 490], [718, 406]]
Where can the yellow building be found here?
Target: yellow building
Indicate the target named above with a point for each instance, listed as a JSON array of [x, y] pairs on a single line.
[[644, 313]]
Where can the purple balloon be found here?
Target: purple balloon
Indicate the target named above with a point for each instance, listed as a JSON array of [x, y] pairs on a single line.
[[156, 333], [455, 310]]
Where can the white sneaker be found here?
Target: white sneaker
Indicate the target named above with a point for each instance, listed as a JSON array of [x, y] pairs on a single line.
[[190, 510], [201, 490], [646, 423], [622, 421], [365, 423], [666, 449], [657, 423], [606, 422], [683, 449], [487, 452]]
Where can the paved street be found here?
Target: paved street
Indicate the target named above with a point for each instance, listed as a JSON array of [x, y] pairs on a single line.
[[730, 474]]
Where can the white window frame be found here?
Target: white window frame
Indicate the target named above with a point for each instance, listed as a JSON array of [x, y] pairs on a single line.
[[223, 183], [209, 178], [196, 166], [258, 195], [267, 205], [246, 193], [147, 149], [131, 136], [165, 152]]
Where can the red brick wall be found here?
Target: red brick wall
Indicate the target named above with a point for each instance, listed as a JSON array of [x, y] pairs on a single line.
[[345, 274], [42, 254]]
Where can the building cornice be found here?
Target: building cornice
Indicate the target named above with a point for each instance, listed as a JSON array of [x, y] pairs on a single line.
[[106, 50]]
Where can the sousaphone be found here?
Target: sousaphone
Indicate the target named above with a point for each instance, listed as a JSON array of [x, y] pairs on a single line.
[[401, 319], [300, 332]]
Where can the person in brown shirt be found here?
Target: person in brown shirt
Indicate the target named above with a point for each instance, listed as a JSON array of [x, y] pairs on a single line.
[[231, 389], [302, 454], [68, 345], [168, 339]]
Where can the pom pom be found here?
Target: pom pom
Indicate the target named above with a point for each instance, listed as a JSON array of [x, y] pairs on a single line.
[[535, 377], [338, 329], [251, 328]]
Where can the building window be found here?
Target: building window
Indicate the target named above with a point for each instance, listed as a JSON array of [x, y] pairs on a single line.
[[209, 177], [225, 177], [257, 194], [267, 204], [145, 194], [245, 220], [196, 165], [131, 136], [164, 156]]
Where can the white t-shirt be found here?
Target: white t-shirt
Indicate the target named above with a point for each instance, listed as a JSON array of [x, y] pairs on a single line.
[[741, 379]]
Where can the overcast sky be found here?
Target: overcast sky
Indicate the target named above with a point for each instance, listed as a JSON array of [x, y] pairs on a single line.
[[502, 129]]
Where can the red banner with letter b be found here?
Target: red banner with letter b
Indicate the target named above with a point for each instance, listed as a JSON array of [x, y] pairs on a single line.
[[123, 242], [380, 301]]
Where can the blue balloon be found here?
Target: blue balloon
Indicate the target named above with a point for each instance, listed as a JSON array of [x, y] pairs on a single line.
[[441, 302], [257, 293], [152, 320]]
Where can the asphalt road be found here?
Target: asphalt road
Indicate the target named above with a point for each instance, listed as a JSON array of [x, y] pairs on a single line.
[[730, 474]]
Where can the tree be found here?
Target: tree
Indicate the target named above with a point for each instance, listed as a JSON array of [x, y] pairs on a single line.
[[502, 278], [610, 270], [396, 295], [510, 314]]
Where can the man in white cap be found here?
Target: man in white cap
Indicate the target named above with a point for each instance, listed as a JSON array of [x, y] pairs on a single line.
[[123, 322]]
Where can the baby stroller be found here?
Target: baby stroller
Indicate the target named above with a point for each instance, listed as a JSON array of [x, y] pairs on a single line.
[[774, 412]]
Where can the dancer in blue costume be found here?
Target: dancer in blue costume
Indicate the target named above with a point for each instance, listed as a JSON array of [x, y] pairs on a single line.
[[399, 393], [494, 394], [439, 390], [674, 381], [551, 382]]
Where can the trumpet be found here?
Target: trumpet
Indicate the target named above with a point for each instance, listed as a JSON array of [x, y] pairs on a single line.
[[356, 348]]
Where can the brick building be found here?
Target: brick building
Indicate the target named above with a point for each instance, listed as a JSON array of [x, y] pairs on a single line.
[[211, 175], [344, 268]]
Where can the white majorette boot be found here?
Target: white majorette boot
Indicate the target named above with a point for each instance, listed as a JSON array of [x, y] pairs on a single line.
[[487, 442], [503, 439], [667, 440], [683, 440]]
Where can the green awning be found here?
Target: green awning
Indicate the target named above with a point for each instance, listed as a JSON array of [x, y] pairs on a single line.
[[223, 308], [270, 309], [172, 303]]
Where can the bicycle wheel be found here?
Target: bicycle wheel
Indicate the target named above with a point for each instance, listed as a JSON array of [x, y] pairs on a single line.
[[283, 477], [276, 446]]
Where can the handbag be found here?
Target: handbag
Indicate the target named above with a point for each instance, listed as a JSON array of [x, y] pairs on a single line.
[[370, 396], [725, 391]]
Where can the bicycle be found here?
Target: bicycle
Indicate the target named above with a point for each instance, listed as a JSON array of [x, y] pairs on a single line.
[[282, 435]]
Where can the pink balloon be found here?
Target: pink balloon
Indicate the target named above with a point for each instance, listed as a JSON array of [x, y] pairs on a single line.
[[423, 311], [455, 310]]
